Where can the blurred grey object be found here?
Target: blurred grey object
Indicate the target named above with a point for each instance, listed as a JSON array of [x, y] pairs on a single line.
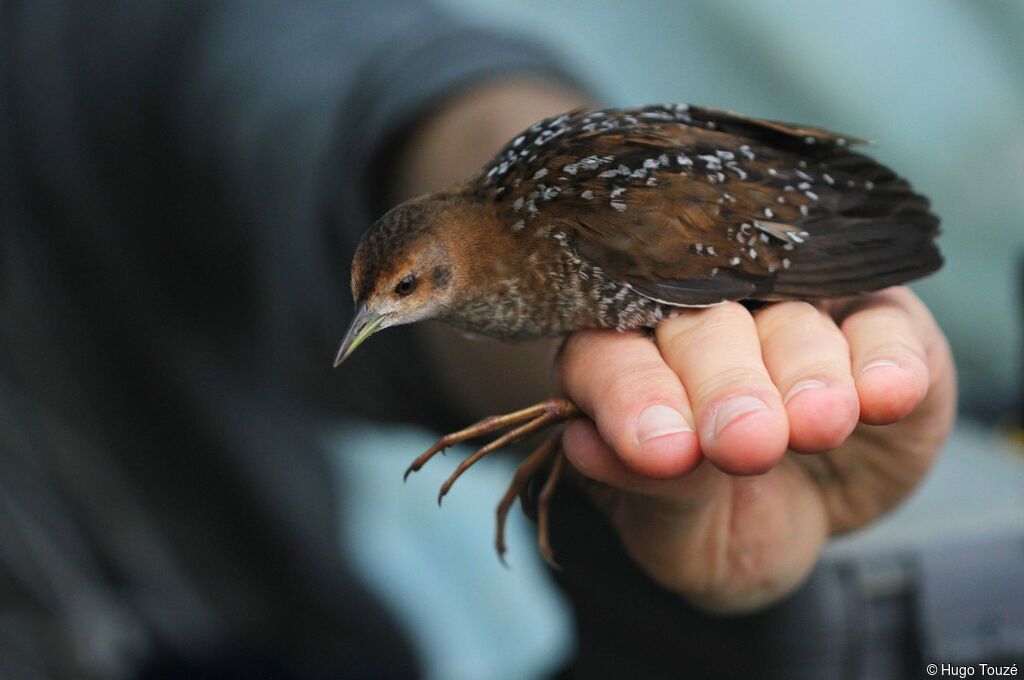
[[183, 183], [953, 553]]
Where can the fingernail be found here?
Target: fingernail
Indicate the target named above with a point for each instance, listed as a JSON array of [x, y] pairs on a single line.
[[735, 408], [805, 385], [660, 420], [878, 364]]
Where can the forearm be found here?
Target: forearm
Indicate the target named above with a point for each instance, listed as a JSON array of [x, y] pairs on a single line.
[[445, 148]]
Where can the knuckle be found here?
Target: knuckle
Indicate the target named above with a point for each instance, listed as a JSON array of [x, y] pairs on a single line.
[[695, 322], [827, 369], [729, 380], [864, 303], [882, 318], [580, 352], [902, 351], [727, 313], [645, 382], [709, 330], [790, 317], [578, 343]]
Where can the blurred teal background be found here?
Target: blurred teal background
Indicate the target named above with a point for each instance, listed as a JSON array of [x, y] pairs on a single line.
[[436, 569], [937, 84]]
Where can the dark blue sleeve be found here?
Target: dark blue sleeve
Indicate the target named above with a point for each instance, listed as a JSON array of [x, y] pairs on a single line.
[[181, 184], [215, 160]]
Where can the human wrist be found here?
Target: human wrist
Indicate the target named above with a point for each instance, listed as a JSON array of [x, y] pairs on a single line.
[[456, 139]]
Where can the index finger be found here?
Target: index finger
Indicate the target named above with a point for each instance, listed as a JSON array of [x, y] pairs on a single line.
[[641, 410]]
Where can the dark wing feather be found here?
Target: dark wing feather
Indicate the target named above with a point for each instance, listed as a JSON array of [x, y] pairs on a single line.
[[773, 132], [693, 206]]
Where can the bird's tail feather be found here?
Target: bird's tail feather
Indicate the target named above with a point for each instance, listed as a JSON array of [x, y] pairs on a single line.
[[860, 254]]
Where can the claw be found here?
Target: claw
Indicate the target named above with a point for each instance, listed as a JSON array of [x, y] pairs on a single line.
[[524, 473], [518, 433], [544, 514], [529, 420]]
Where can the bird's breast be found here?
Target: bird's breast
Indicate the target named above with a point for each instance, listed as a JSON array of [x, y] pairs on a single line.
[[546, 289]]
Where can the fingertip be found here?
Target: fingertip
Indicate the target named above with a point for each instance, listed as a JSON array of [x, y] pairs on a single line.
[[663, 444], [890, 391], [660, 457], [821, 417], [591, 456], [665, 456], [584, 448], [750, 443]]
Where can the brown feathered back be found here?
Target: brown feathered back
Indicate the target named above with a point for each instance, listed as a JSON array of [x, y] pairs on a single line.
[[692, 206]]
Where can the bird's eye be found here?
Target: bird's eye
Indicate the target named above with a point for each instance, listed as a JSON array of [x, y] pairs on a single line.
[[406, 285]]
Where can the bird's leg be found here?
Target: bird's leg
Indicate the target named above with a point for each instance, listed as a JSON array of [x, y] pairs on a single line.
[[535, 417], [543, 509], [528, 421], [534, 425], [520, 482]]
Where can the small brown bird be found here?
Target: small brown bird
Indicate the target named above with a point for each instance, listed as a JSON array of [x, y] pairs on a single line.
[[613, 219]]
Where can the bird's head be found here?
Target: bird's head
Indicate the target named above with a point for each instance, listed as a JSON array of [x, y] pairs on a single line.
[[403, 271]]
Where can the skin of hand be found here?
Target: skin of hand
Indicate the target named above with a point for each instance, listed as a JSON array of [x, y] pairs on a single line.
[[727, 449]]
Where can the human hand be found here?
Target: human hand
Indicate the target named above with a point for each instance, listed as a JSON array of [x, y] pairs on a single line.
[[793, 424]]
